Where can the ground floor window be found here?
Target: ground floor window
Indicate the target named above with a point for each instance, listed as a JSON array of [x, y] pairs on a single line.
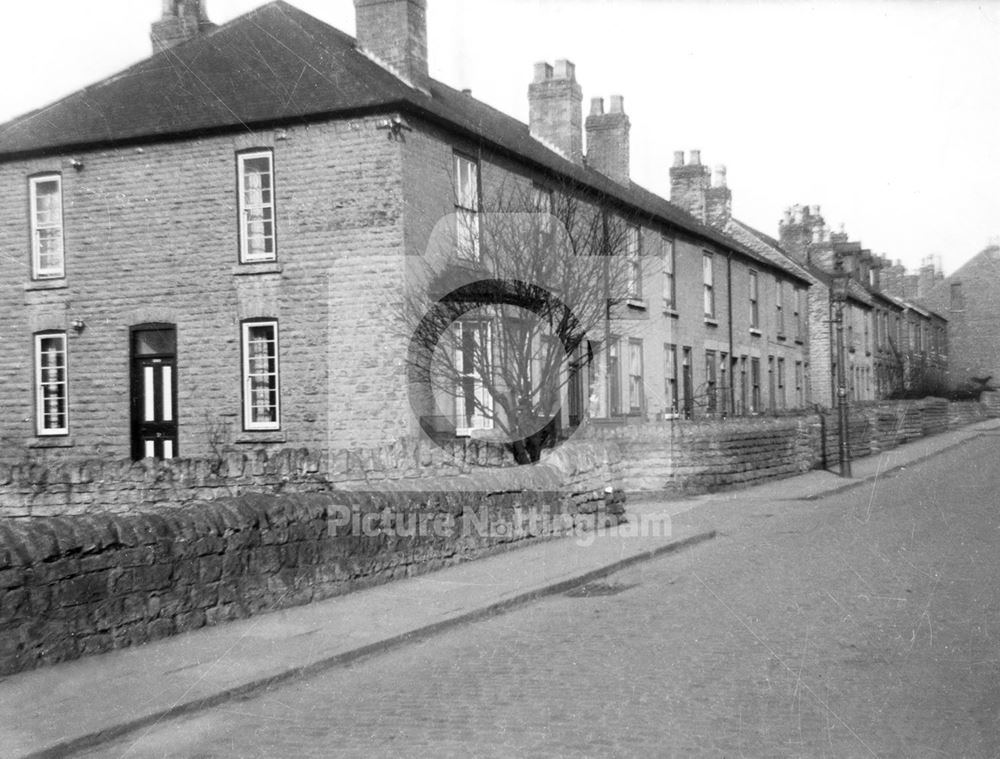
[[474, 356], [261, 407], [754, 385], [670, 377], [614, 380], [635, 388], [51, 384], [710, 382], [782, 396]]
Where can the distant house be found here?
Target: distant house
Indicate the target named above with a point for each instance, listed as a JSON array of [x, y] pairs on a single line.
[[206, 249], [794, 354], [969, 298], [893, 347]]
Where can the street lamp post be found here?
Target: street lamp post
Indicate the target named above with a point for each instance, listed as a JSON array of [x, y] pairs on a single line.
[[841, 282]]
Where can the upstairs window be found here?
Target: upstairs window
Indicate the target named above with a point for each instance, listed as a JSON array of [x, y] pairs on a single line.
[[256, 180], [634, 262], [51, 383], [754, 304], [467, 206], [708, 274], [261, 410], [779, 305], [47, 258], [669, 282]]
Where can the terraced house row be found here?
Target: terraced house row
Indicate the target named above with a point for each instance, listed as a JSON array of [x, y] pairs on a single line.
[[209, 249]]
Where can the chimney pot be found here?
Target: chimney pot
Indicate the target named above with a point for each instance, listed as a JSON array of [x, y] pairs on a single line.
[[678, 158], [543, 71], [617, 104], [695, 158], [565, 69], [719, 176], [596, 106]]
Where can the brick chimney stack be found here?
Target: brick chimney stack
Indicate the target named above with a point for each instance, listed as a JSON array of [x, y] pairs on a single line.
[[555, 108], [802, 227], [181, 20], [719, 199], [608, 139], [394, 32], [689, 184]]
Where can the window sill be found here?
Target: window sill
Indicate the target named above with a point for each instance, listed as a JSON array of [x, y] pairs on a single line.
[[637, 303], [782, 338], [799, 341], [711, 322], [755, 332], [261, 436], [46, 284], [55, 441], [672, 313], [262, 267]]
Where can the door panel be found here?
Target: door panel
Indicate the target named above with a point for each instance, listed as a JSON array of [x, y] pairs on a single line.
[[154, 393]]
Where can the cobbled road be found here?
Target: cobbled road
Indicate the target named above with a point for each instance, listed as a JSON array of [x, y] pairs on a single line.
[[863, 624]]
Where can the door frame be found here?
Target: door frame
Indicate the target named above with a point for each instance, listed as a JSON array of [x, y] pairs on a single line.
[[136, 407]]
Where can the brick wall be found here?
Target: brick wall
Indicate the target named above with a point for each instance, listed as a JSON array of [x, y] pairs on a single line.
[[699, 456], [682, 456], [151, 236], [76, 585], [991, 402]]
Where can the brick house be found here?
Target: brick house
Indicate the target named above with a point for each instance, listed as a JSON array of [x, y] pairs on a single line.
[[892, 345], [969, 299], [205, 250]]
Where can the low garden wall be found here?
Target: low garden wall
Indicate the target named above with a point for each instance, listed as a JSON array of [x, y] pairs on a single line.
[[698, 456], [82, 584]]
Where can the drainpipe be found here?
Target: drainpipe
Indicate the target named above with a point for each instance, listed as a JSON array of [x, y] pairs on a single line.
[[729, 300]]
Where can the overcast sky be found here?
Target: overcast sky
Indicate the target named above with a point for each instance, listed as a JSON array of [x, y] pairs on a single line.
[[887, 114]]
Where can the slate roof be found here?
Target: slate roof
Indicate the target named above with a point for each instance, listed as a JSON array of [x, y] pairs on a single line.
[[277, 64], [767, 247]]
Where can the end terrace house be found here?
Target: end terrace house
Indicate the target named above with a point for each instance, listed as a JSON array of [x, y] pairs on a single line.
[[206, 249]]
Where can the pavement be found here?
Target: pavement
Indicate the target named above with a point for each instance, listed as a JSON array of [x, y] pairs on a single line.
[[59, 710]]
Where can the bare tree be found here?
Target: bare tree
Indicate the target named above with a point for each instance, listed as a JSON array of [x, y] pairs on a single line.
[[508, 310]]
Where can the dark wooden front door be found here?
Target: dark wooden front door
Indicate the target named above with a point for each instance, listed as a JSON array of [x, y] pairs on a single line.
[[154, 392]]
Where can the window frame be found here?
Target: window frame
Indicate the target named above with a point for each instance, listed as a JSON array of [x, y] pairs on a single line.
[[39, 385], [779, 306], [708, 283], [482, 330], [36, 271], [711, 382], [754, 299], [782, 400], [245, 377], [614, 369], [636, 382], [463, 211], [243, 221], [670, 378], [633, 259], [669, 273]]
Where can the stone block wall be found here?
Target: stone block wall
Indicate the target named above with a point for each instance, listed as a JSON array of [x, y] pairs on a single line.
[[55, 488], [698, 456], [76, 585], [991, 402]]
